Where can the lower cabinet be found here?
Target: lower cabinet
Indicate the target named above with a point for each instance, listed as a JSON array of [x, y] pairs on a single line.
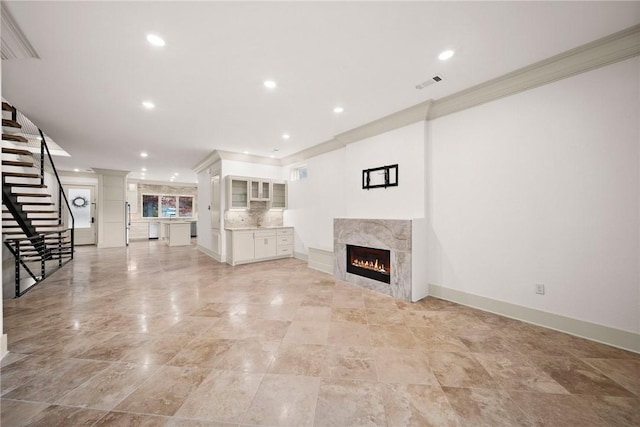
[[252, 245], [265, 244]]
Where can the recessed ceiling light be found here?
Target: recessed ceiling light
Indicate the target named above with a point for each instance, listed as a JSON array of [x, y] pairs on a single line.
[[444, 55], [245, 152], [155, 40], [143, 169], [176, 174], [143, 154], [272, 156], [142, 174], [285, 136], [142, 177], [76, 170], [270, 84], [338, 110], [148, 105]]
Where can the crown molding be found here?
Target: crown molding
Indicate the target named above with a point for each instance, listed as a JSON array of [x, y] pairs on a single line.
[[15, 44], [162, 183], [248, 158], [616, 47], [111, 172], [209, 160], [402, 118]]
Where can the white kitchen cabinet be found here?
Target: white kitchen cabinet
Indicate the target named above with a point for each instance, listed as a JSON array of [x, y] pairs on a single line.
[[260, 190], [279, 195], [265, 243], [258, 244], [237, 192], [240, 246]]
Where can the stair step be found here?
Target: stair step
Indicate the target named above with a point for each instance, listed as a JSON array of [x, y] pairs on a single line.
[[10, 150], [11, 123], [31, 194], [32, 211], [20, 175], [6, 107], [37, 203], [15, 138], [17, 163], [26, 185], [4, 226]]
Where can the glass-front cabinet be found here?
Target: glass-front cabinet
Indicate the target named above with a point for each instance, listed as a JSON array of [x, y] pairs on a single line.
[[237, 192], [243, 190], [261, 190], [279, 195]]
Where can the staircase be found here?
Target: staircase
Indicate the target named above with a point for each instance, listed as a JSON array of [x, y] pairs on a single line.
[[37, 224]]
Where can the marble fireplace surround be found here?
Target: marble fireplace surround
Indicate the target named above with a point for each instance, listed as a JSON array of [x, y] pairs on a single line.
[[401, 237]]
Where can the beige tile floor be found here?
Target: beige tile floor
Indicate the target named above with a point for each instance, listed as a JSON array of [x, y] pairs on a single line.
[[158, 336]]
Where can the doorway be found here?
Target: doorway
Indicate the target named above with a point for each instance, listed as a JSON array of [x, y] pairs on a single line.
[[83, 207]]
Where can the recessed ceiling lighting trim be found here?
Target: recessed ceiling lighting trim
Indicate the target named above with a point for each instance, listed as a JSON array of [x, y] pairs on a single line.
[[148, 105], [270, 84], [338, 109], [155, 40], [446, 54]]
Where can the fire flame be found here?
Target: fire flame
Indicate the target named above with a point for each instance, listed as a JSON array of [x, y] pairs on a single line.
[[370, 265]]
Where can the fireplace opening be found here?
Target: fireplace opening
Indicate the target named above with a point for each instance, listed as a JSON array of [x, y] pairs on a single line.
[[369, 262]]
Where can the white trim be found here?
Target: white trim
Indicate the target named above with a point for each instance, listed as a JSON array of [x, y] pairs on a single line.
[[3, 346], [616, 47], [301, 256], [321, 260], [581, 328], [209, 252], [15, 44]]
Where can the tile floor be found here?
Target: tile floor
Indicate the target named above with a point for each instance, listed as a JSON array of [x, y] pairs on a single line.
[[158, 336]]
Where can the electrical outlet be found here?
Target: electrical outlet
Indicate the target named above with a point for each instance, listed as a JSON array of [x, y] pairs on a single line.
[[540, 288]]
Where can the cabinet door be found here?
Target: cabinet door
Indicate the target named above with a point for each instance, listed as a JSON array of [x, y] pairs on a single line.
[[243, 246], [279, 199], [238, 192], [266, 190], [255, 190], [265, 247]]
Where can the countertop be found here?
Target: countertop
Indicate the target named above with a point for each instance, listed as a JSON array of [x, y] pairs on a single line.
[[266, 227]]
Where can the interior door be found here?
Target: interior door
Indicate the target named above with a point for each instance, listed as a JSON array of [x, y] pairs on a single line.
[[83, 207]]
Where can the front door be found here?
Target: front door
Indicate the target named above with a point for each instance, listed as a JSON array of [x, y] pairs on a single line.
[[83, 207]]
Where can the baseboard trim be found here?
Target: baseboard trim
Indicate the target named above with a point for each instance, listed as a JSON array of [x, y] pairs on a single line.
[[301, 256], [321, 260], [209, 252], [3, 346], [581, 328]]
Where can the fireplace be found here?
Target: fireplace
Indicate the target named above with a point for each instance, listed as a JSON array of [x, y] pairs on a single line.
[[369, 262]]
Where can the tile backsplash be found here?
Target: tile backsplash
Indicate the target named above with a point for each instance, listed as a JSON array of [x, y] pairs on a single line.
[[257, 215]]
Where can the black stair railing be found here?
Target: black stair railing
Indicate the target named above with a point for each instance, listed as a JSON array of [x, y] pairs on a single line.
[[38, 250]]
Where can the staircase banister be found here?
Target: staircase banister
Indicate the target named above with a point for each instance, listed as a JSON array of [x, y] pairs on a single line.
[[55, 171]]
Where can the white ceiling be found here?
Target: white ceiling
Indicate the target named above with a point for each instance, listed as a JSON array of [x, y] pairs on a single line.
[[96, 68]]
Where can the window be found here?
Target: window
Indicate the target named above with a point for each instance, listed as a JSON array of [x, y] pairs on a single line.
[[166, 206], [298, 173]]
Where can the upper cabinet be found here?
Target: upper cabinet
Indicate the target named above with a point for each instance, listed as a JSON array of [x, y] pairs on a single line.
[[279, 197], [260, 190], [237, 192], [243, 190]]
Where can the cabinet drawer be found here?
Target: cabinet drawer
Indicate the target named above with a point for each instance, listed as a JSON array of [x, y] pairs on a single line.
[[285, 240], [285, 250], [285, 231], [260, 234]]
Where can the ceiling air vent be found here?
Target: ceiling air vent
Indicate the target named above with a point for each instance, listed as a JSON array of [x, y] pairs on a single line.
[[435, 79]]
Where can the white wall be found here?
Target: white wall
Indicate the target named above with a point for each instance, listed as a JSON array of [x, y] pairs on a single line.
[[543, 187], [204, 214], [316, 200], [405, 147]]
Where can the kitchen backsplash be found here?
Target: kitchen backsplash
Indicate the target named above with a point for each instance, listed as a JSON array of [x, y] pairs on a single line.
[[257, 216]]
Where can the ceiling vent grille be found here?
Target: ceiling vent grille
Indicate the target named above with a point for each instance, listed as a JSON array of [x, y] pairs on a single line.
[[15, 44], [435, 79]]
